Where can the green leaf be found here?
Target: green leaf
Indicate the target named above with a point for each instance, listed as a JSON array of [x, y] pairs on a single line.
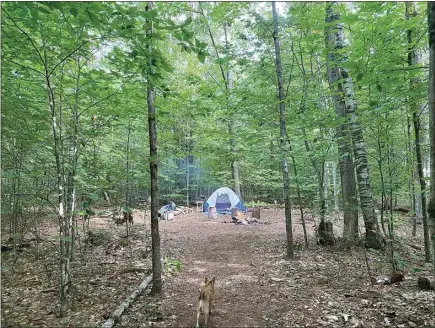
[[178, 36], [168, 68], [201, 57], [187, 34], [379, 87], [44, 9], [93, 196], [73, 11], [187, 21], [34, 13], [94, 19], [146, 26], [134, 53]]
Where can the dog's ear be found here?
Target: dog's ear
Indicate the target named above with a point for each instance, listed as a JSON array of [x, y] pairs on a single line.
[[213, 281], [206, 280]]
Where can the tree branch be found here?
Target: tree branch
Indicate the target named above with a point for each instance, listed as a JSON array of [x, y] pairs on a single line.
[[24, 66], [100, 101], [66, 57], [26, 34], [214, 47]]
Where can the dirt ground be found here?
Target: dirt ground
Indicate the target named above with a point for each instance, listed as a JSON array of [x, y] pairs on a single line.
[[255, 285]]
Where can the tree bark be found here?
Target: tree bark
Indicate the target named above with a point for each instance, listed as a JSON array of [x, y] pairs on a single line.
[[152, 131], [65, 225], [431, 104], [334, 42], [334, 179], [298, 193], [414, 58], [326, 237], [283, 135], [234, 161], [346, 96]]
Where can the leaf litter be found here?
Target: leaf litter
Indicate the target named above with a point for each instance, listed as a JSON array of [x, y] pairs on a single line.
[[255, 285]]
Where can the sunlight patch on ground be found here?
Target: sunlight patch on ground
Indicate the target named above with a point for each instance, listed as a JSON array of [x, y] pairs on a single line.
[[239, 278], [198, 269]]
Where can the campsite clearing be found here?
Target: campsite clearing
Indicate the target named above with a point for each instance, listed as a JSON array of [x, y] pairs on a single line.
[[255, 285]]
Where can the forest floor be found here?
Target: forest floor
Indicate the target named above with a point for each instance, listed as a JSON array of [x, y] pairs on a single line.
[[255, 285]]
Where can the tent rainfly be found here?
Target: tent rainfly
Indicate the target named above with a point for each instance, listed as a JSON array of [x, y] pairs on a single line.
[[224, 199]]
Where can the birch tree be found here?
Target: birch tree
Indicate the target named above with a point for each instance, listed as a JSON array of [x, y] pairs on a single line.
[[334, 42], [344, 99]]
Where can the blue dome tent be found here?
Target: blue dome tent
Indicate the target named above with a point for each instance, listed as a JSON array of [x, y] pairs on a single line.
[[224, 199]]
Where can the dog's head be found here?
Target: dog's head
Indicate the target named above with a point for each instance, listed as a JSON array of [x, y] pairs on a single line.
[[209, 282]]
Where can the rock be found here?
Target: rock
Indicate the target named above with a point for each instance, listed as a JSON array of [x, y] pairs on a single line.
[[345, 317], [276, 279], [332, 318]]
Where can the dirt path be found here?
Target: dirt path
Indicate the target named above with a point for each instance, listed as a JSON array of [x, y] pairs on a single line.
[[235, 255], [256, 287]]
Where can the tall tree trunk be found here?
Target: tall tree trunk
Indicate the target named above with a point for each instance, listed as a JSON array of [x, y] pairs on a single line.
[[325, 235], [325, 231], [416, 208], [283, 136], [229, 83], [373, 235], [234, 162], [414, 59], [298, 191], [381, 175], [431, 103], [74, 160], [334, 42], [326, 183], [152, 131], [335, 183], [65, 225], [390, 206], [127, 168]]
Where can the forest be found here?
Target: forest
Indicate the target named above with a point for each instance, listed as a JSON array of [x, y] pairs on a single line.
[[120, 120]]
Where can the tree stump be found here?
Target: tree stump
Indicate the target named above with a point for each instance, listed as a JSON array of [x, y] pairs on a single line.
[[256, 213], [212, 214], [326, 233]]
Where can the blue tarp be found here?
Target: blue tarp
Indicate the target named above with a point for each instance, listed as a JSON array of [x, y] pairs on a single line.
[[167, 208]]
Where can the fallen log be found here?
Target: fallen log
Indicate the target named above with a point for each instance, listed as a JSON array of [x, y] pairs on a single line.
[[403, 209], [114, 318], [18, 248], [425, 284]]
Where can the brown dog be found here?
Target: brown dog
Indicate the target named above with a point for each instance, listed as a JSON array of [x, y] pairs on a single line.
[[203, 304]]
